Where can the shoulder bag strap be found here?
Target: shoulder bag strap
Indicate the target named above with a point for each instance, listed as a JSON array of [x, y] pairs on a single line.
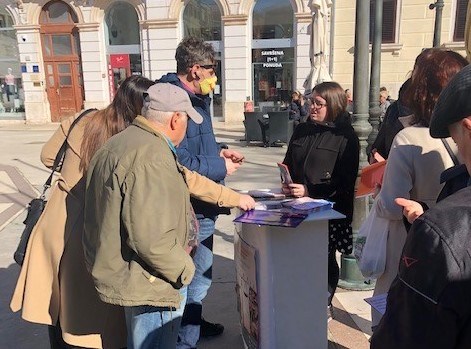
[[450, 152], [58, 161]]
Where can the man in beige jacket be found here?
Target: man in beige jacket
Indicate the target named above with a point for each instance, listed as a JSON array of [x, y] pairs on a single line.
[[138, 218]]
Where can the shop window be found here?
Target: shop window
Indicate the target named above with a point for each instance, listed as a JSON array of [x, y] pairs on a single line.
[[273, 19], [460, 20], [57, 12], [389, 21], [202, 19], [122, 24], [11, 82], [273, 76], [123, 49]]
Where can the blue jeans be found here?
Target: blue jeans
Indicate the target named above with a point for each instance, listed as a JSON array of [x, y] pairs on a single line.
[[189, 333], [152, 327]]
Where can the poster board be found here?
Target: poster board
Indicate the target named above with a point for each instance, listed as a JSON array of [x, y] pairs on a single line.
[[247, 291]]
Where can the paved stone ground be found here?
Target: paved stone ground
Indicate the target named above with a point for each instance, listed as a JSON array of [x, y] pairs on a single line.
[[21, 146]]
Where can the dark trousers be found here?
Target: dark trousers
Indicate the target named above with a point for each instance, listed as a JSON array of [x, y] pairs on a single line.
[[333, 274], [55, 338]]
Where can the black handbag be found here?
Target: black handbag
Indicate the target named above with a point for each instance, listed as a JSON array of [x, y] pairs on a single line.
[[36, 206]]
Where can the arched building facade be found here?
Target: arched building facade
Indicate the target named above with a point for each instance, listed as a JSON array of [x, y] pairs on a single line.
[[72, 54]]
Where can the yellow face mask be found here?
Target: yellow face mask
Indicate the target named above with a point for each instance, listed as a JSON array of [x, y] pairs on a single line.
[[208, 85]]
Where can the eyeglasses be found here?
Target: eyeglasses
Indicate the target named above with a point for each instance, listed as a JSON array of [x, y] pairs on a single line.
[[318, 104], [209, 66]]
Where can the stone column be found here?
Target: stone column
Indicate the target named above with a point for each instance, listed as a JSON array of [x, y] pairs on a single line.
[[237, 67], [94, 66], [303, 43], [29, 46], [160, 39]]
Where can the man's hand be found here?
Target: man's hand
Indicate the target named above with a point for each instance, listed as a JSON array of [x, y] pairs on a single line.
[[246, 202], [297, 190], [231, 166], [411, 209], [232, 155]]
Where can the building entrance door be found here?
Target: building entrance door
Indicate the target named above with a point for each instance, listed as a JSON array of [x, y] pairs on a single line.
[[63, 74], [64, 90]]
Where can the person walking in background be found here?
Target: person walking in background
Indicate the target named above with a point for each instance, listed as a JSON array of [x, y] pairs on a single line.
[[323, 158], [349, 101], [416, 160], [199, 151], [383, 104], [428, 303], [137, 250], [298, 108], [391, 125], [68, 299]]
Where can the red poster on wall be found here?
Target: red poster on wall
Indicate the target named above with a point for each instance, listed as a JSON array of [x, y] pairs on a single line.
[[120, 61], [119, 68]]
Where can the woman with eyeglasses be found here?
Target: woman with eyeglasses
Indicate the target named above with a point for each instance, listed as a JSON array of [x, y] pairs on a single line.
[[322, 157]]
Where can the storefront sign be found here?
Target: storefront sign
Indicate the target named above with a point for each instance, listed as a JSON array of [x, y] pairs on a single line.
[[272, 58], [120, 61]]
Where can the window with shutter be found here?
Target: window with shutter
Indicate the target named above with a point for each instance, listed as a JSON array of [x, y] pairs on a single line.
[[460, 20], [389, 21]]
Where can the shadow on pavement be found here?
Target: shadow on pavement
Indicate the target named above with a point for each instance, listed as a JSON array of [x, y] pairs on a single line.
[[221, 306], [224, 236], [14, 331]]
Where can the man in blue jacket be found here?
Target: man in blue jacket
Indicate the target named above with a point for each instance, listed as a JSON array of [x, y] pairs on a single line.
[[199, 151]]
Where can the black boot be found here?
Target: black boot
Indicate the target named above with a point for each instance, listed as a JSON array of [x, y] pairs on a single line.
[[209, 329]]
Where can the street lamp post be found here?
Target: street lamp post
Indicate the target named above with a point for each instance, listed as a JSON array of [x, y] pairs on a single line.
[[350, 276], [437, 30], [375, 110]]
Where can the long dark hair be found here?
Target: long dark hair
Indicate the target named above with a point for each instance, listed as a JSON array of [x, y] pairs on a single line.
[[124, 108], [433, 69]]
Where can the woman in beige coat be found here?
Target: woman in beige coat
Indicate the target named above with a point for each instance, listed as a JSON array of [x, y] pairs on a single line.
[[416, 160], [54, 286]]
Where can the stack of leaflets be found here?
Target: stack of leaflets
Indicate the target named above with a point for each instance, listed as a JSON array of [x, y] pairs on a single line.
[[284, 213], [308, 205], [269, 204], [266, 193], [272, 217]]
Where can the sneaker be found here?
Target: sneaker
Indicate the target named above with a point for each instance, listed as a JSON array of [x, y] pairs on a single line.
[[209, 329]]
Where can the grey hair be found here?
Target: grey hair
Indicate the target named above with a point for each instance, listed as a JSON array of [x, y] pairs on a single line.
[[191, 51], [156, 115]]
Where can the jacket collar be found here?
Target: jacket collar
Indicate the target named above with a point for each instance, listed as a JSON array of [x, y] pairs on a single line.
[[196, 100], [342, 121], [144, 124]]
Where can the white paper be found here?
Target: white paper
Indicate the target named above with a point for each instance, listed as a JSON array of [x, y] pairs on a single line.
[[378, 302]]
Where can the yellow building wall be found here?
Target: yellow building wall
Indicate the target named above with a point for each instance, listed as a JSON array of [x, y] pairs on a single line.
[[415, 27]]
